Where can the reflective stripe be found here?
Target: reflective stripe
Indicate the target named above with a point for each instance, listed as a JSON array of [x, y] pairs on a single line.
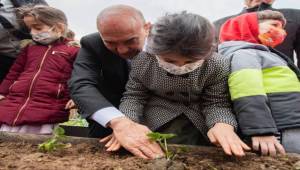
[[280, 79], [246, 82], [251, 82]]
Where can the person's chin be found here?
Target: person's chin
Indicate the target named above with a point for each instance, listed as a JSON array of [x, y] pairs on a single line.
[[128, 55], [268, 1]]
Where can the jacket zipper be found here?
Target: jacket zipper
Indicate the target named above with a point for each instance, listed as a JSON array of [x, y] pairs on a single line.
[[59, 90], [12, 85], [59, 52], [31, 85]]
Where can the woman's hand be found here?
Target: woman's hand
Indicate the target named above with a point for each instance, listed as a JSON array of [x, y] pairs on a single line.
[[223, 134], [1, 97], [267, 145], [70, 105]]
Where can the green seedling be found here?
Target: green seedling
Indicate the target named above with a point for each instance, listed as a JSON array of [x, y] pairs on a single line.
[[162, 140], [76, 120], [211, 167], [182, 149], [55, 142]]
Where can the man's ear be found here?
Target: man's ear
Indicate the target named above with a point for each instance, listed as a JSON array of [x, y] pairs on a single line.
[[247, 3], [147, 27]]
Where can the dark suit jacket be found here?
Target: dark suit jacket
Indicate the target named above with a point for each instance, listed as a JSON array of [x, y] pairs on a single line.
[[19, 3], [292, 41], [98, 79]]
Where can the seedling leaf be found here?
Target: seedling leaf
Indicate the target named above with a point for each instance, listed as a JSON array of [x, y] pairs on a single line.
[[162, 140]]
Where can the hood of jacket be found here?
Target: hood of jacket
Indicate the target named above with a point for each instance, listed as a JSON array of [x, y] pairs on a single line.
[[241, 28]]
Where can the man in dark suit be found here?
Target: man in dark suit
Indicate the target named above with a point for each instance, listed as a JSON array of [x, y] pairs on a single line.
[[291, 43], [101, 72]]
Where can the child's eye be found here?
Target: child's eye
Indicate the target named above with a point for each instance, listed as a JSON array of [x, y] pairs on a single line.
[[277, 24], [38, 28], [189, 62], [170, 61]]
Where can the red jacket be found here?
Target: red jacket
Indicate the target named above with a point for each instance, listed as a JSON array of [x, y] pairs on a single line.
[[35, 88]]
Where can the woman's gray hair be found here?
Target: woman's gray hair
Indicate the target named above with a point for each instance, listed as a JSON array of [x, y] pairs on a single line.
[[182, 33]]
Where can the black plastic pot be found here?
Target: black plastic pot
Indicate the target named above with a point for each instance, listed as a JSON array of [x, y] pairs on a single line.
[[75, 131]]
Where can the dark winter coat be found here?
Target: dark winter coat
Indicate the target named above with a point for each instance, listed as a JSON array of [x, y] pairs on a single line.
[[154, 97], [263, 83], [98, 80], [35, 88], [19, 3]]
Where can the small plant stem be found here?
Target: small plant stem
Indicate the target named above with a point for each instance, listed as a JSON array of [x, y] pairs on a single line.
[[162, 140], [166, 148], [161, 144]]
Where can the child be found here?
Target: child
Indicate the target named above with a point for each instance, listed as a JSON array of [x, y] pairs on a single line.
[[34, 93], [263, 83], [180, 86]]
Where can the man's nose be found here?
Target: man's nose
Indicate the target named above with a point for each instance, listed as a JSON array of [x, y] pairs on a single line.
[[122, 49]]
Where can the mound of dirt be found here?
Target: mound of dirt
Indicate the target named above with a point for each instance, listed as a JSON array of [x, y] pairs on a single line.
[[25, 155]]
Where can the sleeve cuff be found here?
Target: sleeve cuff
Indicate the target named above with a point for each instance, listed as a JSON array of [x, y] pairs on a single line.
[[221, 117], [103, 116]]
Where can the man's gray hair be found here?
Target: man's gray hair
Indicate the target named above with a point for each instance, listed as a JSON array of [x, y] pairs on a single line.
[[182, 33]]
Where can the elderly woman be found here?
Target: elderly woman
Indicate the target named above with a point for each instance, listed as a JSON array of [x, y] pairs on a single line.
[[180, 85]]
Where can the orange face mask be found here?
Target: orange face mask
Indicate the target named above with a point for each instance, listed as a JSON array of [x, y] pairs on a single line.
[[273, 37]]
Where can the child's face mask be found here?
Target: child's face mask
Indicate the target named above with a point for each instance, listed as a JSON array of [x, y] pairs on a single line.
[[179, 70], [46, 37], [271, 33]]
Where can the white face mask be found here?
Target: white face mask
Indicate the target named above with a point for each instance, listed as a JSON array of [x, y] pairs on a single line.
[[177, 70], [46, 37]]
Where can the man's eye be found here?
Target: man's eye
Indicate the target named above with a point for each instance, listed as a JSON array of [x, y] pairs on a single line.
[[131, 41], [38, 29], [110, 43]]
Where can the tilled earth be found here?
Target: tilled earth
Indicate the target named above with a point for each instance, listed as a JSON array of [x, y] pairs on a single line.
[[25, 156]]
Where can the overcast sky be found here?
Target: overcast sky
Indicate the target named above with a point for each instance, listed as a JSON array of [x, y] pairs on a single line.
[[82, 13]]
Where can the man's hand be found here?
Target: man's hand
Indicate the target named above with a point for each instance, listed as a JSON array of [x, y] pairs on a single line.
[[133, 137], [267, 145], [111, 143], [223, 134], [1, 97]]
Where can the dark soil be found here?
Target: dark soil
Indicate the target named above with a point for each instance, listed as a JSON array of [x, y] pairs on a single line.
[[87, 156]]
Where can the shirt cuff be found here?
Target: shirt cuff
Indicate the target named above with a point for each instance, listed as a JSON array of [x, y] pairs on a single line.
[[105, 115]]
